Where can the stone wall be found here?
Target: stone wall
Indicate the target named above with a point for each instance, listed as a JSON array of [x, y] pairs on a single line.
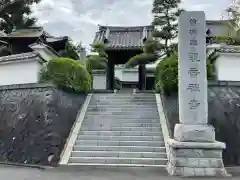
[[35, 121], [224, 115]]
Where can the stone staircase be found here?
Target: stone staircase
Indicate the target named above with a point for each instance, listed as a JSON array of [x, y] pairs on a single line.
[[120, 129]]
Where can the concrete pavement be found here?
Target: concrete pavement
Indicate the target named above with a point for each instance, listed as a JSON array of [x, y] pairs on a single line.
[[87, 173]]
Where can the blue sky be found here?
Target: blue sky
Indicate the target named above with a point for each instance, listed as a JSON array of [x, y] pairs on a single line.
[[79, 18]]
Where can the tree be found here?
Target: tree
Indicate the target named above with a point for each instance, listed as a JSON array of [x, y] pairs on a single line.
[[16, 14], [165, 14], [98, 61], [149, 55], [166, 77], [234, 15], [71, 50]]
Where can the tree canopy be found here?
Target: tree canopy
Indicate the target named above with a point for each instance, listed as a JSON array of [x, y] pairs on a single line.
[[15, 14], [71, 50], [97, 61], [234, 12], [149, 54], [165, 14]]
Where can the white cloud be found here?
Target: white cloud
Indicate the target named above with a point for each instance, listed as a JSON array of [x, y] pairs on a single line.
[[79, 18]]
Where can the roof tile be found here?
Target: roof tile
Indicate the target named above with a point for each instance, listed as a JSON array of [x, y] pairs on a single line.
[[17, 57], [123, 37], [228, 50]]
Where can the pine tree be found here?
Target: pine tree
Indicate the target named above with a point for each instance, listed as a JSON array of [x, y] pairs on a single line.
[[16, 14], [234, 15], [166, 13], [71, 50]]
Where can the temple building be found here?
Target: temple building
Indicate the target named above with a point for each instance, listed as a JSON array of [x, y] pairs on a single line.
[[19, 41], [24, 51], [122, 43]]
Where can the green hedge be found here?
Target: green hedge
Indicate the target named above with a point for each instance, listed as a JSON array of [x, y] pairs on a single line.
[[167, 74], [66, 74]]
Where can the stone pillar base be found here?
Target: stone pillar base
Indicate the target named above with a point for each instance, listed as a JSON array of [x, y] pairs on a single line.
[[191, 159]]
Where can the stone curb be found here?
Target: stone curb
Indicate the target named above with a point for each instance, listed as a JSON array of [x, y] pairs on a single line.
[[66, 152], [41, 167], [101, 91], [26, 86], [145, 91], [163, 123]]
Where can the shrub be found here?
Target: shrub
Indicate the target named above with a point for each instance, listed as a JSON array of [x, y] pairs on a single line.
[[167, 74], [99, 61], [228, 40], [67, 74], [96, 62]]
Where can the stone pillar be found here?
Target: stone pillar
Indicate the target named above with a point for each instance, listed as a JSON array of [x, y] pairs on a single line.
[[194, 150], [99, 79]]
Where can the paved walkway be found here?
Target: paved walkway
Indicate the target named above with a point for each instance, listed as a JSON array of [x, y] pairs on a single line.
[[20, 173]]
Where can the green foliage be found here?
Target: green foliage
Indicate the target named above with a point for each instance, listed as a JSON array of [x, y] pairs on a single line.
[[71, 51], [167, 74], [149, 54], [98, 46], [226, 39], [141, 59], [16, 14], [66, 74], [165, 14], [95, 62], [234, 12], [99, 61], [151, 46]]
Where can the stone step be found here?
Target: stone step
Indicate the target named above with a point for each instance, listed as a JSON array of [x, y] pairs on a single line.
[[121, 133], [119, 143], [118, 120], [133, 98], [120, 148], [110, 119], [129, 100], [124, 96], [124, 117], [163, 167], [107, 123], [120, 138], [122, 103], [118, 154], [135, 114], [116, 160], [125, 101], [105, 128], [127, 109], [126, 106]]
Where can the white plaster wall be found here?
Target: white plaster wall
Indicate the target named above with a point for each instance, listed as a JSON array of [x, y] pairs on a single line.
[[126, 74], [99, 81], [47, 56], [228, 67], [130, 76], [19, 72]]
